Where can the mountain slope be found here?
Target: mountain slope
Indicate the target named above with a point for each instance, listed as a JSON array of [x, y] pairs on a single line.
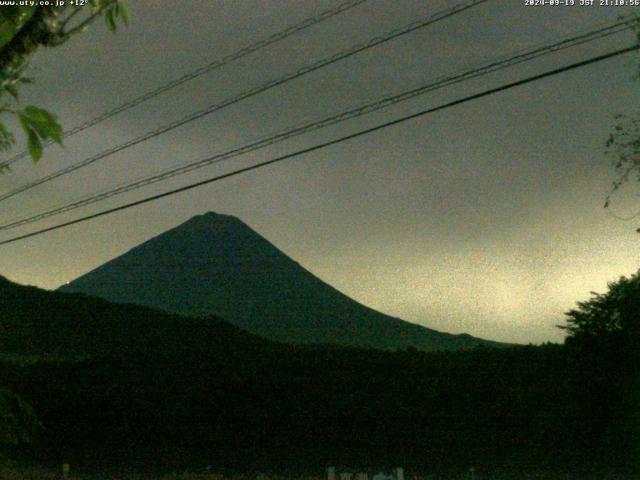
[[216, 265], [53, 324]]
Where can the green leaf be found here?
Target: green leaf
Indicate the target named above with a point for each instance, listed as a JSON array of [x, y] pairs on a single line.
[[12, 19], [39, 113], [95, 5], [34, 144], [123, 11], [43, 122], [39, 125], [110, 18], [7, 139], [7, 32], [16, 15]]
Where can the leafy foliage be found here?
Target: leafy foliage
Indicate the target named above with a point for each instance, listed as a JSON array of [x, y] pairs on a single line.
[[23, 29], [614, 314], [623, 145], [39, 126]]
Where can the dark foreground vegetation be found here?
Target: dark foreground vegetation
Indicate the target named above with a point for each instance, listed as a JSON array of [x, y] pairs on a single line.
[[128, 397]]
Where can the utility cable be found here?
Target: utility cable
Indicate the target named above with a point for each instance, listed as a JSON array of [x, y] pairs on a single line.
[[254, 47], [514, 59], [393, 34], [336, 141]]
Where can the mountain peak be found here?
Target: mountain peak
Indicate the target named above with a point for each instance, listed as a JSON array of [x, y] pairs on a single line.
[[217, 217], [215, 264], [212, 218]]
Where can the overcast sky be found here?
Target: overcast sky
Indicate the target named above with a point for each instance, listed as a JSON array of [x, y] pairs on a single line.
[[485, 218]]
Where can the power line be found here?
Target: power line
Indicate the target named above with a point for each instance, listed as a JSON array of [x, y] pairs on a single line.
[[502, 63], [304, 151], [254, 47], [393, 34]]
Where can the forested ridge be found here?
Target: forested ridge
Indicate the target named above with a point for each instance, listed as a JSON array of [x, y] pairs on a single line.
[[240, 403]]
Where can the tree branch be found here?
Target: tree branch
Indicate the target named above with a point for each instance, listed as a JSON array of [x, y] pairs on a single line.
[[64, 36], [64, 23]]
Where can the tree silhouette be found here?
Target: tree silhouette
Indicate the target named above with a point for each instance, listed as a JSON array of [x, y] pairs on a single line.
[[612, 315], [18, 423]]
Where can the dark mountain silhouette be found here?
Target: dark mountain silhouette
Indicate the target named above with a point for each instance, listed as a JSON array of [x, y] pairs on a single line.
[[216, 265], [61, 325]]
